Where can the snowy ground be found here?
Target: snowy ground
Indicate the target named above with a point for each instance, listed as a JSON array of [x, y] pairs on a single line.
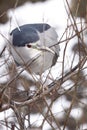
[[52, 12]]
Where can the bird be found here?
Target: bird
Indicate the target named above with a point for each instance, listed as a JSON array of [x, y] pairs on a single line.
[[35, 45]]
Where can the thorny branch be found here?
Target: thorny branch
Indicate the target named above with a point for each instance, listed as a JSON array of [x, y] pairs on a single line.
[[54, 86]]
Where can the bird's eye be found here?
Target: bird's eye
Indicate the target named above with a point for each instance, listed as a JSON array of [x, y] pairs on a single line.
[[29, 46]]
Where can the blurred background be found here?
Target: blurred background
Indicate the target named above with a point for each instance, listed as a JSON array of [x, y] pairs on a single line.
[[65, 107]]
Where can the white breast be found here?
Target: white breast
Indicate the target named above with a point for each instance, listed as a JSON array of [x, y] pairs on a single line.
[[38, 61]]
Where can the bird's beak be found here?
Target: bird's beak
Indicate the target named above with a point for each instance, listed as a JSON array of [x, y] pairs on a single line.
[[42, 48]]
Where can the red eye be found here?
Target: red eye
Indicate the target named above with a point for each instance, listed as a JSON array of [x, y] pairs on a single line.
[[29, 46]]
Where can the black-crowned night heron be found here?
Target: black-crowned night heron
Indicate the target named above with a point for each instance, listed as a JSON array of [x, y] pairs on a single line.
[[35, 44]]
